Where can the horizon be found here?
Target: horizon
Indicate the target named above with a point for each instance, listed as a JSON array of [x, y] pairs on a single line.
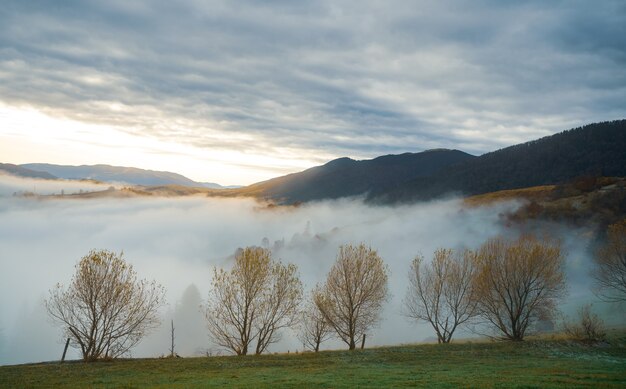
[[296, 171], [237, 92], [200, 182]]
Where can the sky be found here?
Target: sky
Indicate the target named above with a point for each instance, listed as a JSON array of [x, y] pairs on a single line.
[[236, 92]]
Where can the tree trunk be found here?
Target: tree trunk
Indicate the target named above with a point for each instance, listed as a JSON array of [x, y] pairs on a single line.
[[172, 349], [363, 342], [67, 343]]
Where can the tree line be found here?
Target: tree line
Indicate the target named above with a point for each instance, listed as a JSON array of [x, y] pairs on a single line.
[[502, 289], [593, 150]]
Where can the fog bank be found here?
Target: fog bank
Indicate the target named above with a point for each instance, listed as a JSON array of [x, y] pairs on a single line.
[[12, 185], [177, 241]]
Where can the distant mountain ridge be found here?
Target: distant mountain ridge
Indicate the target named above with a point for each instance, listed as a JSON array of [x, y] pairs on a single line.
[[108, 173], [596, 149], [345, 177], [21, 171]]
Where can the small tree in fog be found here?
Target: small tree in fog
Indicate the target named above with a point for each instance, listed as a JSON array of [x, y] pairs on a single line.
[[441, 292], [105, 310], [517, 283], [190, 323], [588, 326], [354, 292], [253, 301], [314, 327], [610, 261]]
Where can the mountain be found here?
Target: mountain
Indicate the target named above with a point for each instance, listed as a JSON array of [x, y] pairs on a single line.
[[107, 173], [213, 185], [593, 150], [20, 171], [346, 177]]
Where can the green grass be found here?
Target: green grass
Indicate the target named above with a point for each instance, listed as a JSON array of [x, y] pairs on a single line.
[[530, 364]]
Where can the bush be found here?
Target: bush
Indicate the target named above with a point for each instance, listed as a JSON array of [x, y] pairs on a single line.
[[588, 327]]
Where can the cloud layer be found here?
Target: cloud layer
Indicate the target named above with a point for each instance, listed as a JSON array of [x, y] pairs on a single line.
[[318, 80], [12, 186], [178, 242]]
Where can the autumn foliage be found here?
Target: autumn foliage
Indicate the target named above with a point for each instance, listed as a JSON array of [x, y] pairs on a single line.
[[517, 283], [354, 292], [105, 310], [253, 301]]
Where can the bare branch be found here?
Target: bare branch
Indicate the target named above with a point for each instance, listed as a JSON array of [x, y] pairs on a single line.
[[253, 301], [518, 283], [442, 292], [105, 310], [314, 328], [610, 270], [354, 292]]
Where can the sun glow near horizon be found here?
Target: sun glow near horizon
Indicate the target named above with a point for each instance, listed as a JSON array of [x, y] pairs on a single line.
[[30, 135]]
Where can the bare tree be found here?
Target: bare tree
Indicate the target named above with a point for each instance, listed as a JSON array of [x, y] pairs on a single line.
[[610, 260], [442, 292], [354, 292], [253, 301], [105, 310], [589, 327], [518, 282], [314, 327], [172, 351], [279, 305]]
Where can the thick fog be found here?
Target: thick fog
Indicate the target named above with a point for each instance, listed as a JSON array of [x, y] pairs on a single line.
[[12, 185], [177, 241]]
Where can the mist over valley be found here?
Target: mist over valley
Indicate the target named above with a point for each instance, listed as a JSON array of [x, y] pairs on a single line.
[[177, 242], [312, 194]]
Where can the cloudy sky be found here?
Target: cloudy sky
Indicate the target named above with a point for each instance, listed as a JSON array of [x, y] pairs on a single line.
[[239, 91]]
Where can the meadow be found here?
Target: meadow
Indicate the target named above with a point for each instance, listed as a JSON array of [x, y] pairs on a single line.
[[538, 363]]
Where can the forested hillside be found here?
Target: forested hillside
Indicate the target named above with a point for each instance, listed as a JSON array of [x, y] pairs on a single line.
[[346, 177], [594, 150]]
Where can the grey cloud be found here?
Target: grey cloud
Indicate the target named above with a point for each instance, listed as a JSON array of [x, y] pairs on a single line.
[[350, 78]]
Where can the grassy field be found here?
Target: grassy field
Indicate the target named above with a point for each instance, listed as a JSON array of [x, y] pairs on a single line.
[[530, 364]]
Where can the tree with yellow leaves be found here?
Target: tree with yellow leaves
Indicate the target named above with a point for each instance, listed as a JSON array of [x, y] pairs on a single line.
[[105, 310], [518, 282], [354, 292], [253, 301]]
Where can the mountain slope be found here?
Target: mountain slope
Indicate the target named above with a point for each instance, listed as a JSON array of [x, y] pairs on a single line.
[[596, 150], [109, 173], [20, 171], [593, 150], [346, 177]]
